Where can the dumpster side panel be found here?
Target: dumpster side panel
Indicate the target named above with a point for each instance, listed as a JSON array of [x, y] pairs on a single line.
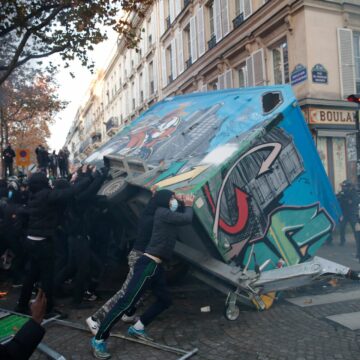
[[283, 210]]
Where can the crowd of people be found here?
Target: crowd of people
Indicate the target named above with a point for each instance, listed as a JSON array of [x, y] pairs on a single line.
[[47, 235], [56, 165], [55, 233]]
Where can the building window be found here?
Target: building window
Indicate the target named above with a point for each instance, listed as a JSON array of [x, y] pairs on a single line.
[[281, 63], [187, 46], [169, 69], [240, 78], [357, 60], [151, 78], [213, 85], [210, 11]]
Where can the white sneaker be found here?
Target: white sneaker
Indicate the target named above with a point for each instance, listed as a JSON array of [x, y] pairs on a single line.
[[128, 319], [93, 325]]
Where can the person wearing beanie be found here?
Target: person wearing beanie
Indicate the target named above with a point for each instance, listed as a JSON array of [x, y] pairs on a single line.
[[148, 270], [42, 213]]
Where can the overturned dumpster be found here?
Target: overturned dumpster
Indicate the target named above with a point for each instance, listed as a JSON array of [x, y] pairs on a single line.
[[264, 204]]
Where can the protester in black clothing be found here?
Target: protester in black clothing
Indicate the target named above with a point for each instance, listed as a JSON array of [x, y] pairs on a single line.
[[349, 201], [8, 156], [42, 212], [42, 156], [53, 164], [148, 271], [145, 226], [29, 336], [61, 234], [79, 242], [62, 163]]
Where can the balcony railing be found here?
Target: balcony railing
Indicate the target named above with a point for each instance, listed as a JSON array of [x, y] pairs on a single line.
[[188, 62], [111, 124], [212, 42], [238, 20]]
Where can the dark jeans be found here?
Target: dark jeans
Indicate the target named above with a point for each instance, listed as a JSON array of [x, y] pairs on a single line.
[[343, 228], [8, 168], [61, 250], [78, 264], [41, 260], [147, 275]]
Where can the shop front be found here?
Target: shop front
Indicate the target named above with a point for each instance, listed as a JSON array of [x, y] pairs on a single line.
[[334, 134]]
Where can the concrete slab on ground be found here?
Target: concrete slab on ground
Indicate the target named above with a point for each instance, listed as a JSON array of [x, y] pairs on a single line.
[[349, 320], [313, 300]]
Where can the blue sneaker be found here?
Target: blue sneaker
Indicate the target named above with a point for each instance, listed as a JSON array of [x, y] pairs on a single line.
[[99, 349], [140, 334]]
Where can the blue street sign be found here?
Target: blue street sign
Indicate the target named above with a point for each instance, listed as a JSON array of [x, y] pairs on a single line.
[[299, 74]]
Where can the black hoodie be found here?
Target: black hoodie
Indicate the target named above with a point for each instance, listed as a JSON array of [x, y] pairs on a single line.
[[43, 203]]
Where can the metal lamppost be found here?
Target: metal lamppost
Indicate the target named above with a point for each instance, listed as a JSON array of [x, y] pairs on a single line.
[[355, 98]]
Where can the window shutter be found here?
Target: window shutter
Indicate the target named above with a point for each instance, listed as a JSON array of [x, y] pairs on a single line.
[[225, 17], [145, 84], [177, 7], [201, 31], [346, 60], [173, 59], [249, 71], [171, 10], [193, 47], [163, 67], [247, 8], [162, 17], [180, 51], [221, 82], [153, 29], [259, 67], [137, 90], [156, 78], [228, 79], [217, 20]]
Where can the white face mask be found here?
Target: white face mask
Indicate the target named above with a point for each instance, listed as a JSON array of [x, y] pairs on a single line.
[[174, 205]]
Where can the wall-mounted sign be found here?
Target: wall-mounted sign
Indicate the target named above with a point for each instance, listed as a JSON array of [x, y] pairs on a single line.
[[319, 74], [332, 117], [299, 74]]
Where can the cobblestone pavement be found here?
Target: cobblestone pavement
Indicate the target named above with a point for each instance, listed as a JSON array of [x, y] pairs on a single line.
[[286, 331]]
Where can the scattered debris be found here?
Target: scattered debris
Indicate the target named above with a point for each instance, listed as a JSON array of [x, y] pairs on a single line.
[[205, 309]]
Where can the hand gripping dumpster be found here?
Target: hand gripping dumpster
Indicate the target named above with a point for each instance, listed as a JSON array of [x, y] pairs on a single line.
[[264, 204]]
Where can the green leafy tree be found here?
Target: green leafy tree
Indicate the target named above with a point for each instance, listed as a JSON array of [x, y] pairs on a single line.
[[31, 30]]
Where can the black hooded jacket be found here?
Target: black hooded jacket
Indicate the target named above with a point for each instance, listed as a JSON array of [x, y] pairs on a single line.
[[145, 226], [43, 203], [164, 233], [78, 212]]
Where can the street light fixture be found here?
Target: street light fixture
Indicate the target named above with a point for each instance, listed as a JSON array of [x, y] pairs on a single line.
[[355, 98]]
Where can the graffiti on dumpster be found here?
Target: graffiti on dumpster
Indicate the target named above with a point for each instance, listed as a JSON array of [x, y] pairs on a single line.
[[248, 209]]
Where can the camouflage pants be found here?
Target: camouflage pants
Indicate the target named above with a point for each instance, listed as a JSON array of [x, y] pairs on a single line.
[[133, 257]]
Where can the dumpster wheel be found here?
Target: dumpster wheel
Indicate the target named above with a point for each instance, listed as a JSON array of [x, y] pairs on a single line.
[[231, 310]]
